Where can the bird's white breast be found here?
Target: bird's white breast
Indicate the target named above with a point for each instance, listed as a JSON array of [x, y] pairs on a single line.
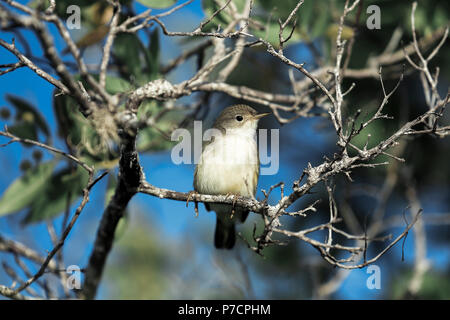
[[229, 164]]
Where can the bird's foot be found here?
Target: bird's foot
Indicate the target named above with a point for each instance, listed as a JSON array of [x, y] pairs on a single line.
[[189, 198], [233, 205]]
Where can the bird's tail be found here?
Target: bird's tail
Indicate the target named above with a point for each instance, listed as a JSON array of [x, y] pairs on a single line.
[[225, 235]]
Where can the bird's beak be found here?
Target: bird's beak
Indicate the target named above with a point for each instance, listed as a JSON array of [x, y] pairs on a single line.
[[260, 115]]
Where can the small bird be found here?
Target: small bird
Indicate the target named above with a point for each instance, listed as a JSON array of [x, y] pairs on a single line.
[[229, 165]]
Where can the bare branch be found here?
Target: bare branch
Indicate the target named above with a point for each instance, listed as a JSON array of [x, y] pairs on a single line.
[[24, 61], [14, 138]]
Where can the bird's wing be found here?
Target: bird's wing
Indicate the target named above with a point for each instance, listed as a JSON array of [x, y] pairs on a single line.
[[195, 178], [256, 175], [196, 187]]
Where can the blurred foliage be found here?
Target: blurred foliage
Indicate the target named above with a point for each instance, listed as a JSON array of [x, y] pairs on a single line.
[[157, 3], [93, 140], [28, 121], [435, 286], [25, 189], [321, 18], [139, 265], [154, 138], [80, 134], [64, 186], [284, 268]]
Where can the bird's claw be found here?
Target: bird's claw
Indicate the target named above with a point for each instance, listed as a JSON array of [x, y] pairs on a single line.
[[233, 205], [189, 198]]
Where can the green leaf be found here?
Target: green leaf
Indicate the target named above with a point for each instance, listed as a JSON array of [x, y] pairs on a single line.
[[71, 122], [158, 4], [27, 112], [271, 34], [267, 18], [39, 4], [80, 134], [26, 189], [53, 199], [117, 85], [223, 18], [152, 55], [320, 24], [306, 13], [152, 138], [24, 130], [127, 51]]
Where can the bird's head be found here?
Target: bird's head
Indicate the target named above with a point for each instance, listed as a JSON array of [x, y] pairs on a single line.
[[237, 117]]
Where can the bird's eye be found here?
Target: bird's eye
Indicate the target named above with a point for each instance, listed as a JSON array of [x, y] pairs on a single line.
[[239, 118]]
